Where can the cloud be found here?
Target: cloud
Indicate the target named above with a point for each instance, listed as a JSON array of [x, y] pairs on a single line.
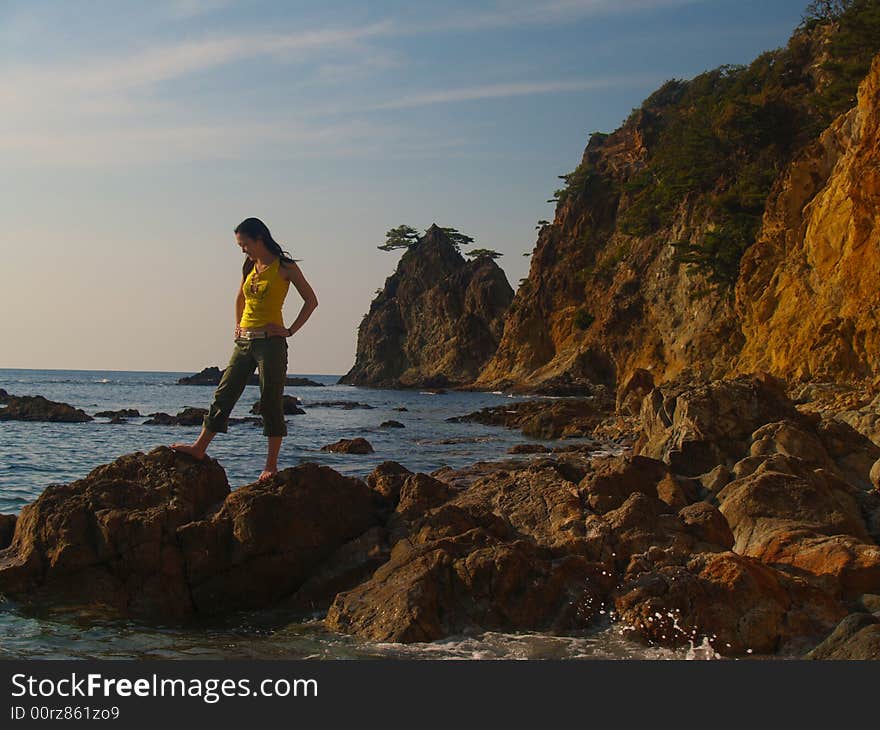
[[497, 91]]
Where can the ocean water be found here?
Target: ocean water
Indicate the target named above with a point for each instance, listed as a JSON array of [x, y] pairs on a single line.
[[34, 455]]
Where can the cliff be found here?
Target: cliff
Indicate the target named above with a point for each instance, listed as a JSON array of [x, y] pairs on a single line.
[[808, 295], [435, 323], [718, 230]]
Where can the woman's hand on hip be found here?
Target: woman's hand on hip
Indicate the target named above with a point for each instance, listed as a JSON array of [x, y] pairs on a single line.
[[277, 329], [237, 332]]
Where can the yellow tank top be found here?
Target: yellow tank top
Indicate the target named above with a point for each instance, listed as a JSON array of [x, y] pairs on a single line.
[[263, 296]]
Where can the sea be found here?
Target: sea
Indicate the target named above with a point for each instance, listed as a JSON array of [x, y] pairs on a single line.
[[34, 455]]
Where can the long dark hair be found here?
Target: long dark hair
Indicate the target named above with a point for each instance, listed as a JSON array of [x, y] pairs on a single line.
[[254, 228]]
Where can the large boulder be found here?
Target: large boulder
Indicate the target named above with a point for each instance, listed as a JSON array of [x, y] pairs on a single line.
[[110, 538], [160, 536], [803, 520], [694, 428], [735, 603], [511, 552], [267, 537]]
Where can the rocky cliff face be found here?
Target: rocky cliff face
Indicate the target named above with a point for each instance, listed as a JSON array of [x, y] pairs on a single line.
[[808, 295], [599, 303], [602, 301], [436, 322]]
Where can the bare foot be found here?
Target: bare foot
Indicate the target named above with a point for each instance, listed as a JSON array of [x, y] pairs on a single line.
[[267, 474], [189, 449]]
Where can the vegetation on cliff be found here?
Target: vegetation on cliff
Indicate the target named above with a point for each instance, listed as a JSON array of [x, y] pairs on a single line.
[[643, 265]]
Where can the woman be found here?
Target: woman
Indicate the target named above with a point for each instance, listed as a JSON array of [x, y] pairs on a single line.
[[260, 340]]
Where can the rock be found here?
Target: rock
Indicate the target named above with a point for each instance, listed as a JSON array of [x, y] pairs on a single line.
[[694, 428], [419, 493], [735, 603], [612, 481], [527, 449], [870, 602], [387, 480], [38, 408], [4, 396], [804, 521], [291, 406], [350, 446], [865, 419], [121, 413], [208, 376], [707, 524], [189, 416], [633, 392], [643, 524], [345, 404], [347, 567], [716, 479], [268, 537], [402, 409], [212, 376], [296, 382], [391, 424], [159, 536], [875, 474], [110, 538], [512, 550], [856, 637], [807, 295], [543, 419], [435, 323], [7, 528]]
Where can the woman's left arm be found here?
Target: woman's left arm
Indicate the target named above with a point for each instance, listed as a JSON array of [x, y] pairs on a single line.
[[292, 273]]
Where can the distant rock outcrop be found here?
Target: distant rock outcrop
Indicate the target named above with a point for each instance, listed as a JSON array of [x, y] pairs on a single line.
[[435, 323], [38, 408], [211, 376]]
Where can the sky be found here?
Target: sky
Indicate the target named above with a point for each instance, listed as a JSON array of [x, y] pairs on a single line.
[[135, 136]]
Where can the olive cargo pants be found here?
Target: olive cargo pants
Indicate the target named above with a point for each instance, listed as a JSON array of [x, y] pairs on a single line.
[[269, 355]]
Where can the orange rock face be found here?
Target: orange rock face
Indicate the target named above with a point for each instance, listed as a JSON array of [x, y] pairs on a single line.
[[808, 294]]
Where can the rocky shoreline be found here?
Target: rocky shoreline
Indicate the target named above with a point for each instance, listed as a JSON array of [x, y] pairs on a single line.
[[738, 518]]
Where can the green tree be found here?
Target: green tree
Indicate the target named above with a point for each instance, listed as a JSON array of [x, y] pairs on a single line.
[[457, 237], [401, 237], [476, 252]]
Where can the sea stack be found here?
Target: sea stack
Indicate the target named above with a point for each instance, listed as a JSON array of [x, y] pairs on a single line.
[[436, 322]]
